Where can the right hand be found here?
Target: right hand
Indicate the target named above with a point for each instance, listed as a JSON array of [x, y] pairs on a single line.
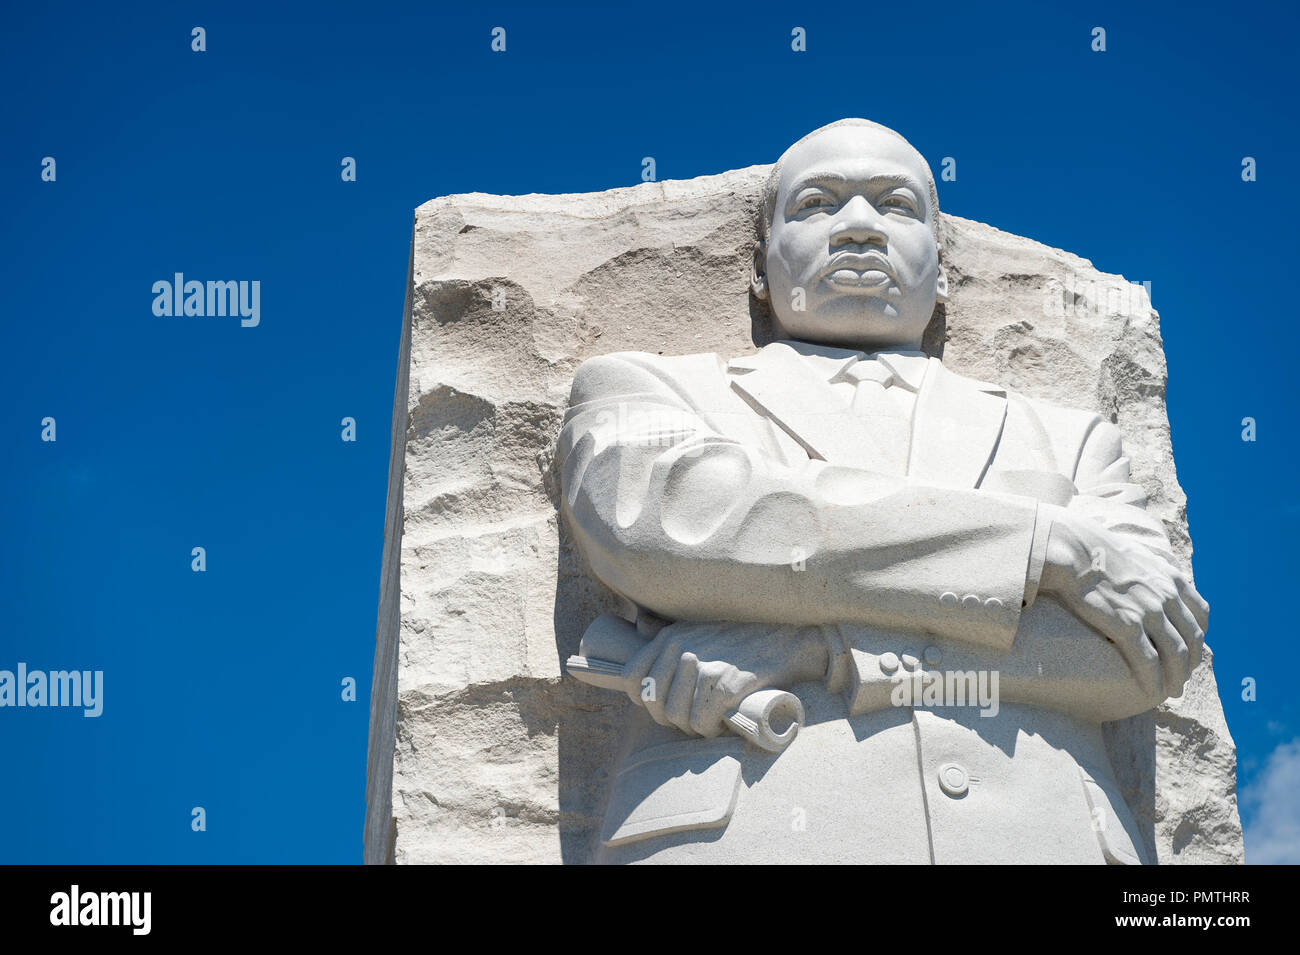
[[693, 674], [1134, 597]]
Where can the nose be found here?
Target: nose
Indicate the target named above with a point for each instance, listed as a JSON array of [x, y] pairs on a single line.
[[858, 224]]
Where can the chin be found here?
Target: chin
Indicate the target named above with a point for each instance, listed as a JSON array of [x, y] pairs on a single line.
[[858, 327]]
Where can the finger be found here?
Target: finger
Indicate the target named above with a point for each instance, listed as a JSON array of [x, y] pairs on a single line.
[[1173, 651], [1128, 637], [1181, 617], [712, 702], [1143, 660], [1195, 602], [677, 708], [661, 677], [638, 668]]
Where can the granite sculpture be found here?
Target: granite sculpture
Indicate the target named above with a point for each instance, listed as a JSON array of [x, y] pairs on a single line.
[[668, 457], [841, 508]]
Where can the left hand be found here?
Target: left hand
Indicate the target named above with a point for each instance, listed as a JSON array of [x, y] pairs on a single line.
[[700, 672], [1134, 597]]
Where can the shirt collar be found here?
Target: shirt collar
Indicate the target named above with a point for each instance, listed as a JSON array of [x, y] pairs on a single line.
[[907, 364]]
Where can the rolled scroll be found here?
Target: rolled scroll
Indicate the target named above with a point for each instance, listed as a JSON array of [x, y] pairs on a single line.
[[769, 719]]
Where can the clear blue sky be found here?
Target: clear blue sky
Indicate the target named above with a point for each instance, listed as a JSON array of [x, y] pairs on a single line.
[[222, 689]]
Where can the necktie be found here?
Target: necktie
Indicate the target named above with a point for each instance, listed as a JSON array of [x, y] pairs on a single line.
[[888, 409]]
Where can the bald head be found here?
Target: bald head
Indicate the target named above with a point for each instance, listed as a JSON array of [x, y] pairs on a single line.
[[771, 186]]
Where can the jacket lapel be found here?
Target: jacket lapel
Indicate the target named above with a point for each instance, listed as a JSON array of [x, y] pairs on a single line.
[[955, 429], [777, 383]]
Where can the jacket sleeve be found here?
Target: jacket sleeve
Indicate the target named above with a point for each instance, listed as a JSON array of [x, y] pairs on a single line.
[[1056, 660], [1108, 495], [695, 525]]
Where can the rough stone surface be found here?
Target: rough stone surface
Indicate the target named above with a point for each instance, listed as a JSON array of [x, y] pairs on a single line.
[[480, 751]]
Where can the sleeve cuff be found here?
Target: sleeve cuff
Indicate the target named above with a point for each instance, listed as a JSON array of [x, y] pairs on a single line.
[[1037, 554], [839, 662]]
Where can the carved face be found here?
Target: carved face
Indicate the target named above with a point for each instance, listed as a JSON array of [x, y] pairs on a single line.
[[851, 257]]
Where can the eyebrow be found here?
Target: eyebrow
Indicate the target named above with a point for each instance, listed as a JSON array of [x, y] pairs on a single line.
[[831, 177]]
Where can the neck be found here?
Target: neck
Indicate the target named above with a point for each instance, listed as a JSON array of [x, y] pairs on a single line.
[[869, 347]]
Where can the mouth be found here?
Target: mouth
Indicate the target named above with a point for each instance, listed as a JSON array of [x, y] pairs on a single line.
[[861, 270]]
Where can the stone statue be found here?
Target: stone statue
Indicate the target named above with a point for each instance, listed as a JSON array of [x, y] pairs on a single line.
[[882, 608]]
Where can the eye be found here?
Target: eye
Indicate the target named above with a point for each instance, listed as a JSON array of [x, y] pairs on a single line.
[[899, 202], [814, 201]]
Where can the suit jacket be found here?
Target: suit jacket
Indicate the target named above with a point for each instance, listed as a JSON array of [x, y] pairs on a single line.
[[751, 492]]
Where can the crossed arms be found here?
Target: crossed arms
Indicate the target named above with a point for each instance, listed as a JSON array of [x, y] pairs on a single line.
[[696, 525]]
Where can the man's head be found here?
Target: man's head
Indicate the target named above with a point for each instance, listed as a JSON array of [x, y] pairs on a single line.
[[849, 253]]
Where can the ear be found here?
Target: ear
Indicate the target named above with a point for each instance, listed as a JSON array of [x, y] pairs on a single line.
[[941, 285], [758, 271]]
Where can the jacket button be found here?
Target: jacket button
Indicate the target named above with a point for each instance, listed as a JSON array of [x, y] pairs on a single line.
[[910, 662], [953, 780], [993, 604], [970, 602], [888, 662], [933, 655], [948, 601]]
